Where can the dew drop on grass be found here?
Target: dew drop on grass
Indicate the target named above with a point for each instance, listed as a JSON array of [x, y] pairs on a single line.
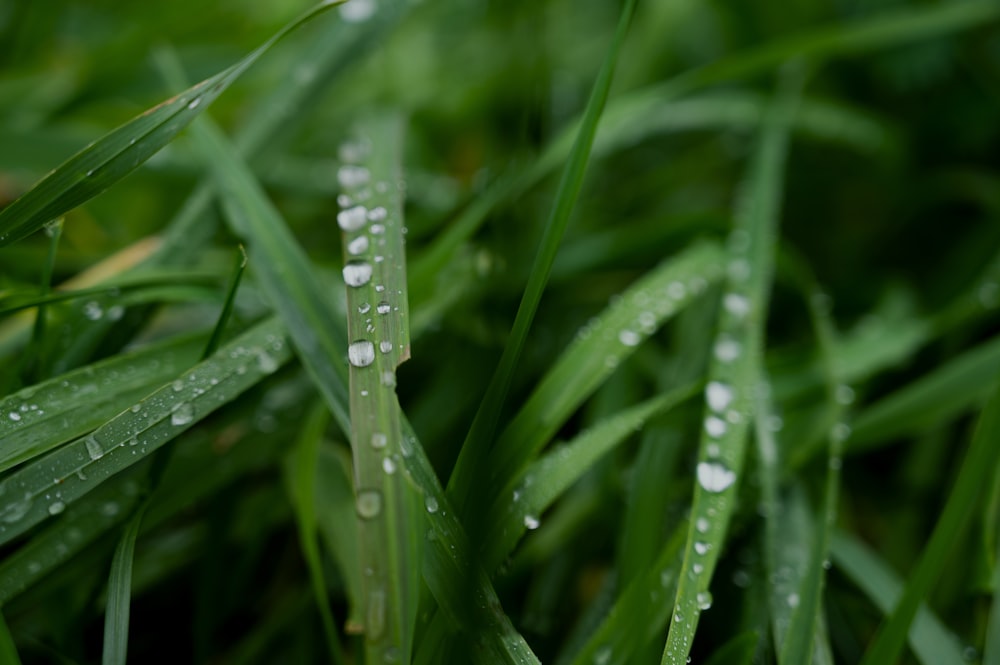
[[701, 548], [266, 363], [697, 569], [793, 600], [352, 219], [431, 504], [358, 246], [704, 600], [378, 229], [531, 522], [739, 270], [177, 385], [369, 504], [603, 655], [385, 346], [364, 308], [56, 507], [718, 395], [388, 465], [182, 414], [736, 304], [350, 176], [93, 310], [676, 290], [358, 11], [15, 511], [840, 432], [629, 337], [14, 415], [727, 350], [714, 477], [377, 214], [383, 307], [94, 450], [361, 353], [715, 426], [193, 104], [844, 394], [357, 273], [379, 440], [702, 525]]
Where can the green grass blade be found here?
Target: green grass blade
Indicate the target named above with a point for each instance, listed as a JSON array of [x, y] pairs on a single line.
[[8, 652], [116, 615], [227, 306], [38, 418], [740, 649], [377, 323], [549, 477], [337, 523], [940, 395], [300, 481], [982, 457], [991, 650], [599, 348], [111, 158], [45, 487], [734, 369], [31, 361], [469, 467], [931, 641]]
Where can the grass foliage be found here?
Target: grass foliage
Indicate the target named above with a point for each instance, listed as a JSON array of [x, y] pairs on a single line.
[[598, 333]]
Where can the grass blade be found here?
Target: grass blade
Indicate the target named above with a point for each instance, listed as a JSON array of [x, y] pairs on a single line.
[[982, 457], [733, 372], [931, 641], [8, 652], [116, 616], [469, 467], [111, 158]]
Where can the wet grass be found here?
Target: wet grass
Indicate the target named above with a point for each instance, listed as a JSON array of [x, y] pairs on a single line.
[[615, 333]]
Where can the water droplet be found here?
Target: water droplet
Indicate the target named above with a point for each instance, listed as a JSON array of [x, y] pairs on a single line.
[[177, 385], [629, 337], [352, 219], [350, 176], [266, 363], [377, 229], [388, 379], [718, 395], [715, 426], [431, 504], [364, 308], [116, 312], [987, 294], [701, 548], [110, 509], [383, 307], [194, 103], [182, 414], [739, 270], [377, 214], [385, 346], [531, 522], [357, 273], [358, 246], [14, 415], [56, 507], [793, 600], [379, 440], [380, 288], [94, 450], [361, 353], [369, 504], [358, 11], [602, 656], [736, 304], [701, 524], [697, 568], [727, 350], [388, 465], [844, 394], [704, 600], [93, 310], [714, 477], [15, 511], [840, 432]]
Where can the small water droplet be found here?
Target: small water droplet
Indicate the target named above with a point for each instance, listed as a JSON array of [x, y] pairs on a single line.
[[358, 246], [793, 600], [840, 432], [194, 103], [844, 394], [736, 304], [383, 307], [603, 655], [739, 270], [182, 414], [358, 11], [364, 308], [266, 363], [531, 522], [718, 395], [714, 477], [715, 426], [352, 219], [629, 337], [350, 176], [56, 507], [385, 346], [377, 229], [379, 440], [388, 465], [377, 214], [431, 504], [14, 415], [388, 379], [701, 548], [361, 353], [676, 290], [369, 504], [704, 600], [357, 273], [697, 568], [727, 350], [110, 509], [93, 310], [177, 385], [702, 525]]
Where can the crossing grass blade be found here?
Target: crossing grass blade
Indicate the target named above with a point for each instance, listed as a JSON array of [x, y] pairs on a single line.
[[111, 158], [982, 456], [8, 651], [116, 615], [734, 370], [470, 467], [740, 649], [931, 641], [45, 487]]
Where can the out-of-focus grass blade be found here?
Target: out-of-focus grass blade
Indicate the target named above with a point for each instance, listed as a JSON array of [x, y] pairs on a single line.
[[337, 523], [391, 514], [941, 394], [640, 612], [8, 652], [980, 460], [300, 481], [40, 417], [472, 463], [44, 488], [991, 650], [117, 154], [599, 348], [740, 649], [890, 29], [116, 615], [931, 641], [520, 505], [735, 367]]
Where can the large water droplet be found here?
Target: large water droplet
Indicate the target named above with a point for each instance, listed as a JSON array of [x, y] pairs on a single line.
[[714, 477], [369, 504], [361, 353], [531, 522], [182, 414], [14, 415], [718, 395], [357, 273], [352, 219], [94, 449], [704, 600]]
